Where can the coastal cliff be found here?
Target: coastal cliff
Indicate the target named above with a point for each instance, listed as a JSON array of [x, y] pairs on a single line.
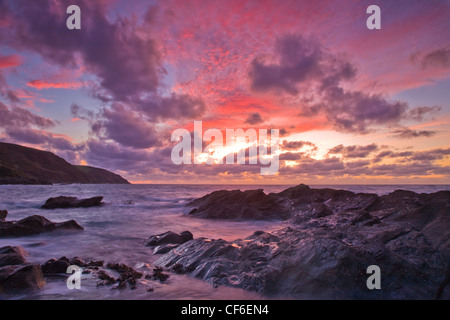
[[23, 165]]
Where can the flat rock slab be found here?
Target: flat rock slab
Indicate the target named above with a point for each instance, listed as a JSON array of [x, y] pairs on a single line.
[[71, 202]]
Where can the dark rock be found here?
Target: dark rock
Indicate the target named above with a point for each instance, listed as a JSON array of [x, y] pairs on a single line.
[[293, 202], [236, 204], [90, 202], [314, 210], [158, 274], [16, 274], [78, 262], [336, 235], [54, 266], [19, 278], [11, 259], [11, 249], [71, 202], [168, 237], [179, 268], [33, 225], [12, 256], [325, 201], [362, 217], [3, 214], [186, 236], [106, 278], [96, 263], [164, 248], [128, 275]]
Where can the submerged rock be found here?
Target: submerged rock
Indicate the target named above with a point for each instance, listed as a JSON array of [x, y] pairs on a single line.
[[334, 236], [33, 225], [71, 202]]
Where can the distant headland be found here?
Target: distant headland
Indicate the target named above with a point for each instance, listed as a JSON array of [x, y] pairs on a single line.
[[23, 165]]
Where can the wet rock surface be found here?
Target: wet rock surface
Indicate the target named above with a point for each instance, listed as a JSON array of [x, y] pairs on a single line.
[[59, 266], [113, 274], [333, 237], [236, 204], [16, 274], [33, 225], [71, 202], [167, 241]]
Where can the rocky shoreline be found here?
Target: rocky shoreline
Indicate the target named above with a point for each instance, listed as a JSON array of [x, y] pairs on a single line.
[[331, 238], [334, 235], [17, 275]]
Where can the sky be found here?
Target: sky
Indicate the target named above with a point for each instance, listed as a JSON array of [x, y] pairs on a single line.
[[352, 105]]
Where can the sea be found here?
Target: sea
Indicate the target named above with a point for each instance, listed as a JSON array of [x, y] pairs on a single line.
[[116, 231]]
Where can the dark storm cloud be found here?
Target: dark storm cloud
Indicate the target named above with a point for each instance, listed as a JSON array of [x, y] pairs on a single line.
[[81, 113], [133, 125], [304, 66], [431, 155], [254, 118], [156, 162], [40, 137], [123, 125], [419, 113], [124, 58], [295, 145], [111, 155], [355, 111], [414, 157], [439, 58], [300, 60], [357, 164], [413, 163], [391, 154], [19, 126], [175, 106], [18, 117], [126, 63], [354, 151], [290, 156], [330, 166], [407, 133], [11, 96], [99, 150]]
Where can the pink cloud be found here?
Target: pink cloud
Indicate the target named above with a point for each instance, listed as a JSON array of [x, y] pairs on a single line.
[[45, 84], [10, 61]]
